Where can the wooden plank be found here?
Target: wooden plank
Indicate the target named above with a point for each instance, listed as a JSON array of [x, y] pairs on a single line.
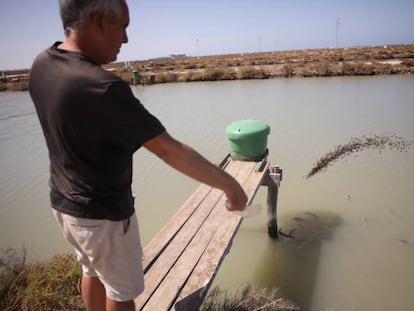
[[156, 273], [202, 276], [184, 234], [164, 236], [167, 233], [191, 235], [195, 289], [169, 289]]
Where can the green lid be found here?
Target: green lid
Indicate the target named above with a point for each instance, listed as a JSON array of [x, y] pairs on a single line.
[[248, 139], [246, 128]]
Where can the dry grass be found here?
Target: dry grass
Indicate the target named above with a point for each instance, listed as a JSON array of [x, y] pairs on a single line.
[[250, 299], [379, 60], [54, 285], [51, 285], [299, 63]]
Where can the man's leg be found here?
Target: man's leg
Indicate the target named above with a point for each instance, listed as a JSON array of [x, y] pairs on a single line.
[[93, 294], [112, 305], [94, 297], [117, 257]]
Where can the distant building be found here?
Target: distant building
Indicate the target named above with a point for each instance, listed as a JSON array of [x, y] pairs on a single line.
[[178, 56], [171, 56]]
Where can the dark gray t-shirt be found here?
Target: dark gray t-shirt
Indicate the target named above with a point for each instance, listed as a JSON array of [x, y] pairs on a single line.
[[92, 124]]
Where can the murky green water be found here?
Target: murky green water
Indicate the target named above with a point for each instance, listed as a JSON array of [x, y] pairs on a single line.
[[353, 224]]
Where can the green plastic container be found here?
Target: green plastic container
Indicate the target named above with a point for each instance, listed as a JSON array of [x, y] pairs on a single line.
[[248, 139], [135, 74]]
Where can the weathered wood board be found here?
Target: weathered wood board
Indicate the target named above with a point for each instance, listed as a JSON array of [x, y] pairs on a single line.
[[180, 262]]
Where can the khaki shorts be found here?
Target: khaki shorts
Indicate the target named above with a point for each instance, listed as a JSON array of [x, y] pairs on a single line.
[[109, 250]]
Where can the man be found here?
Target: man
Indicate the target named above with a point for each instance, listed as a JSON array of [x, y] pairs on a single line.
[[93, 124]]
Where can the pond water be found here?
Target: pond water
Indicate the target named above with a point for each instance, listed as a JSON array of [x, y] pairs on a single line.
[[353, 223]]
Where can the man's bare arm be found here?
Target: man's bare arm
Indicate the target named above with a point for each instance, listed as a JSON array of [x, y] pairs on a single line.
[[189, 162]]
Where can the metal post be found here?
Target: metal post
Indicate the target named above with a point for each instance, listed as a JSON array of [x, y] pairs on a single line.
[[272, 181]]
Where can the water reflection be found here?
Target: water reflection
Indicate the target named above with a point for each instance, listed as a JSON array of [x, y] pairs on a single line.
[[293, 263]]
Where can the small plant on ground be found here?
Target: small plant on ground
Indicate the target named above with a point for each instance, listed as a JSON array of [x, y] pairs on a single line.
[[51, 285], [214, 74], [324, 69], [288, 71], [251, 72], [249, 299]]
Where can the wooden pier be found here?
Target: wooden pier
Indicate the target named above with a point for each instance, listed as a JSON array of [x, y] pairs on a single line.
[[180, 262]]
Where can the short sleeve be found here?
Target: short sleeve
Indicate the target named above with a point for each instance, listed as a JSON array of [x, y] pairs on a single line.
[[130, 124]]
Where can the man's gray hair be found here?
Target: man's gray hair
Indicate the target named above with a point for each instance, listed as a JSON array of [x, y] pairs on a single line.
[[74, 13]]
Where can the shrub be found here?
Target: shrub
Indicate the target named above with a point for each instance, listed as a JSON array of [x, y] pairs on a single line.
[[250, 72], [347, 69], [171, 77], [51, 285], [246, 72], [214, 74], [190, 66], [324, 69], [357, 69], [250, 299], [18, 86], [193, 76], [408, 63], [287, 71], [364, 69], [309, 73], [160, 78], [167, 77]]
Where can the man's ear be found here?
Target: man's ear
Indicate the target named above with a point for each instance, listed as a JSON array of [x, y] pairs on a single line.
[[98, 21]]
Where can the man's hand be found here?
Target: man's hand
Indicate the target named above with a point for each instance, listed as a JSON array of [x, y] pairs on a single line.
[[236, 200], [189, 162]]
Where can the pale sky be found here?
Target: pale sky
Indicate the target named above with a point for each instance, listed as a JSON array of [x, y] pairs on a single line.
[[205, 27]]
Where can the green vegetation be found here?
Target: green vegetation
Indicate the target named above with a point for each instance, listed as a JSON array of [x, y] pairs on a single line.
[[51, 285], [55, 285], [251, 72], [216, 74], [14, 86], [249, 299]]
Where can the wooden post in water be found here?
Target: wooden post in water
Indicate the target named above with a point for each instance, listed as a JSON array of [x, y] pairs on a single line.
[[272, 181]]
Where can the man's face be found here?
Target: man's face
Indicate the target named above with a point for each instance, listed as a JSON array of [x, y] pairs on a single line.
[[115, 34]]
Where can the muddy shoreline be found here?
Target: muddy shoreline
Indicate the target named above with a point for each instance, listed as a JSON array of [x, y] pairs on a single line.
[[356, 61]]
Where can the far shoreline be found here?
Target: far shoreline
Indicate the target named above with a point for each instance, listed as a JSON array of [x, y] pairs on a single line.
[[356, 61]]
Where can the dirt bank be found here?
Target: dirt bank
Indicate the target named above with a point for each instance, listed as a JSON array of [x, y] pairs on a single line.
[[378, 60]]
